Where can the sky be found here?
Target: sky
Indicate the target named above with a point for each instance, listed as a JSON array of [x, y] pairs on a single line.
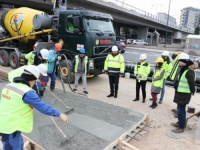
[[175, 7]]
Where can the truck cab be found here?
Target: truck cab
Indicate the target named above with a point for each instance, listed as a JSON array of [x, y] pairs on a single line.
[[89, 29]]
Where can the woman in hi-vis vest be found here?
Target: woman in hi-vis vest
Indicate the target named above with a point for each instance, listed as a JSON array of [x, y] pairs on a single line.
[[157, 80]]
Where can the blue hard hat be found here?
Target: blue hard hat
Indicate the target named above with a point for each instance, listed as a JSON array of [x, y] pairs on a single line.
[[82, 51]]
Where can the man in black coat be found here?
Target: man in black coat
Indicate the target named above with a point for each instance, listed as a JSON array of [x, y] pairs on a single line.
[[184, 89]]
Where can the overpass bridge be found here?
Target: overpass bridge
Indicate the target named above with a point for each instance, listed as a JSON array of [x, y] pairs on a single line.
[[124, 16]]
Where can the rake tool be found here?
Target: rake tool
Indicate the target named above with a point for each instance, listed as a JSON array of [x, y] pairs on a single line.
[[197, 113], [69, 109]]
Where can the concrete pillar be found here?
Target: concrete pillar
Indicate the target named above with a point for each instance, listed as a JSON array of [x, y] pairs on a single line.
[[116, 28], [142, 32]]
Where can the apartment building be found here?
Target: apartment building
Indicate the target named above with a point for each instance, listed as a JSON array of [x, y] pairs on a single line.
[[190, 17]]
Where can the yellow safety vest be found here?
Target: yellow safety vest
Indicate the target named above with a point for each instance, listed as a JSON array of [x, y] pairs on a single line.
[[15, 115], [168, 68], [77, 61], [183, 85], [30, 57], [174, 68], [142, 69], [114, 64], [158, 83]]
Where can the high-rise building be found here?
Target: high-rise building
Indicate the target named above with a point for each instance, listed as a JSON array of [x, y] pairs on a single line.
[[190, 17]]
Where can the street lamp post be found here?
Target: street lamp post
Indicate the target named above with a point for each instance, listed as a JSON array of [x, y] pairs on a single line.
[[167, 23], [156, 5]]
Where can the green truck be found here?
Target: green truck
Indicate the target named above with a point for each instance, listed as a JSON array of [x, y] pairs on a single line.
[[73, 28]]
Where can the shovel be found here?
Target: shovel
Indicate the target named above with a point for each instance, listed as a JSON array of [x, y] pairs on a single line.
[[197, 113]]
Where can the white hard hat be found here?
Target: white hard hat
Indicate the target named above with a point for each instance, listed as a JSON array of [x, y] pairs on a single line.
[[33, 70], [43, 69], [114, 48], [184, 56], [44, 53], [165, 53], [143, 56]]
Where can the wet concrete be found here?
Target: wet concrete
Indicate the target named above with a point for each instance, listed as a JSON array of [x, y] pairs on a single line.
[[93, 124]]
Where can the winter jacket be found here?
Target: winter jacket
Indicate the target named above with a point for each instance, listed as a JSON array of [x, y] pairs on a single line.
[[52, 60], [184, 98], [81, 60]]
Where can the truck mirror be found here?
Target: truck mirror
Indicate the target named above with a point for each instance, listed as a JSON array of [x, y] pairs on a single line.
[[76, 30], [76, 22]]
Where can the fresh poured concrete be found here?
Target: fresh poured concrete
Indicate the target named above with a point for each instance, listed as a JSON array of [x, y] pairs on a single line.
[[93, 124]]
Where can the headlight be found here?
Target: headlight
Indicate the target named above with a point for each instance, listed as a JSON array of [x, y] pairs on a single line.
[[91, 64]]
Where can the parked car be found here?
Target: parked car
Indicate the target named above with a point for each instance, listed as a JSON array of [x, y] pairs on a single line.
[[139, 42], [121, 46], [129, 41]]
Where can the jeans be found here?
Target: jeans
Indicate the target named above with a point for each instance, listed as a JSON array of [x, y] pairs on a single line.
[[181, 115], [52, 76], [13, 141]]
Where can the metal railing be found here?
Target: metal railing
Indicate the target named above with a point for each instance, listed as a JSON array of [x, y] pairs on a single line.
[[136, 11]]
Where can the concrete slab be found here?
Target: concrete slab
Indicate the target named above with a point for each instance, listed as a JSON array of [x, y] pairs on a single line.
[[93, 124]]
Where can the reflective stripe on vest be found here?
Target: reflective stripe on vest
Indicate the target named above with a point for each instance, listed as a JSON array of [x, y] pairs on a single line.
[[114, 64], [15, 115], [77, 62], [183, 85], [158, 83], [141, 70], [174, 68]]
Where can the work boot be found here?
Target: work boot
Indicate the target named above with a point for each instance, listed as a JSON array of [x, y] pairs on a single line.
[[52, 86], [175, 124], [175, 116], [115, 96], [74, 90], [160, 102], [151, 105], [179, 130], [41, 92], [110, 95], [143, 100], [151, 99], [86, 92], [154, 105], [136, 99]]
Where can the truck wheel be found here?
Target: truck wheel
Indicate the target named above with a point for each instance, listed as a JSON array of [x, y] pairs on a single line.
[[65, 71], [13, 59], [4, 58]]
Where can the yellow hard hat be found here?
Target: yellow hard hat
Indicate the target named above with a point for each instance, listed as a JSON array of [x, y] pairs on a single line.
[[159, 59]]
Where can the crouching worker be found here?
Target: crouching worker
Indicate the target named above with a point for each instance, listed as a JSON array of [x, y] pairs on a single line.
[[16, 105], [43, 73], [157, 80]]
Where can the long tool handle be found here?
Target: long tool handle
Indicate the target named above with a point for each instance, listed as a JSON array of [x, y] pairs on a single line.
[[194, 114], [58, 127], [57, 98]]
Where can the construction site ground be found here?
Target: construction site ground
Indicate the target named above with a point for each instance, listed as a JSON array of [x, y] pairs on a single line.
[[159, 137]]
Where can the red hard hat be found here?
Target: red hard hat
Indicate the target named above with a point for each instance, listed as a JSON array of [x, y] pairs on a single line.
[[58, 46]]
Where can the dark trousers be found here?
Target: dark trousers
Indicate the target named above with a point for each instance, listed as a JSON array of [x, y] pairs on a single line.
[[181, 115], [114, 81], [143, 84]]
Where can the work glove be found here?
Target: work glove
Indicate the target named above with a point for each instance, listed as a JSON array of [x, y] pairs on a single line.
[[59, 57], [64, 118], [43, 83]]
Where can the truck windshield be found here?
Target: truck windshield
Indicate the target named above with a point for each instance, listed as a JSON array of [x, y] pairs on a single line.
[[98, 25]]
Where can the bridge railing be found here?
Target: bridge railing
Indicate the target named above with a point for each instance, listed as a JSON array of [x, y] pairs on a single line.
[[146, 15]]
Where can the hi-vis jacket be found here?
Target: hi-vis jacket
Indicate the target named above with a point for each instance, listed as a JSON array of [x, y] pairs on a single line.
[[114, 65], [142, 69]]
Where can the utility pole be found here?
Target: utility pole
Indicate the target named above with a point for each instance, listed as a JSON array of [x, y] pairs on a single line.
[[167, 24]]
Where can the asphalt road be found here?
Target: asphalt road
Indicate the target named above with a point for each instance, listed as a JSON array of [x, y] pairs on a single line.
[[134, 54]]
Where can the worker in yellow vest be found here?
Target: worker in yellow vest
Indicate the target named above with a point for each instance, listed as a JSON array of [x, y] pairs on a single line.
[[80, 68], [184, 89], [16, 105], [141, 72], [167, 65], [157, 80], [114, 67]]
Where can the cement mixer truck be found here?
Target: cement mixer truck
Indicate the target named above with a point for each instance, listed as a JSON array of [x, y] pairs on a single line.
[[23, 28]]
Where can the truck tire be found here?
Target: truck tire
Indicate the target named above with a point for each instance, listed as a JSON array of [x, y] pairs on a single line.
[[14, 60], [65, 71], [4, 58]]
